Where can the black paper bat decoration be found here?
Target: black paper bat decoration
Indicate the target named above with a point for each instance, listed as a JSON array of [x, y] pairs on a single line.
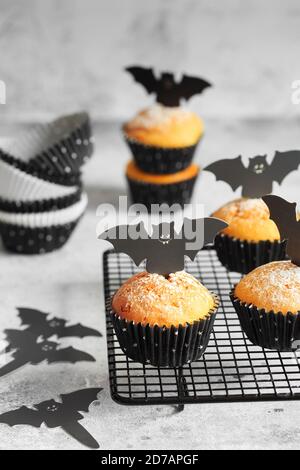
[[39, 324], [283, 213], [165, 249], [65, 415], [27, 350], [168, 91], [256, 179]]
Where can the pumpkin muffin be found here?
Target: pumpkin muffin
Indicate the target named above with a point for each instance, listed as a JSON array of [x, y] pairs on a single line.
[[165, 321], [251, 239], [148, 188], [267, 302], [163, 139]]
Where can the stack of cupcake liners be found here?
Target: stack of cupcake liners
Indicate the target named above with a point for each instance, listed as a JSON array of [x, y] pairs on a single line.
[[163, 162], [41, 197]]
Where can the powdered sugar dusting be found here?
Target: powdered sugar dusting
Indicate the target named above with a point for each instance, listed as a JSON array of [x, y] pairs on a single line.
[[244, 207], [275, 286], [157, 115], [154, 299]]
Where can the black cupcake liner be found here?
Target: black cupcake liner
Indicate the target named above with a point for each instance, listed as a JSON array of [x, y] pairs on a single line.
[[61, 162], [66, 180], [242, 256], [44, 205], [34, 241], [161, 346], [161, 160], [149, 193], [270, 330]]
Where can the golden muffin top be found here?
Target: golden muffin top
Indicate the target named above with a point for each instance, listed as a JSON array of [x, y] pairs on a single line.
[[155, 300], [273, 286], [160, 126], [248, 219], [134, 173]]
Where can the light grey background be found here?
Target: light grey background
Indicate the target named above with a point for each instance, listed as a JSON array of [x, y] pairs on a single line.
[[58, 56]]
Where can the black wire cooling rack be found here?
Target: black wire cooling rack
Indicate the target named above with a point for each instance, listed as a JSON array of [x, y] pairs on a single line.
[[232, 369]]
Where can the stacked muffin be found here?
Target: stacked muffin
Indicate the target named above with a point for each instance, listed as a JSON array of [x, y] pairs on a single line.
[[163, 141], [41, 197]]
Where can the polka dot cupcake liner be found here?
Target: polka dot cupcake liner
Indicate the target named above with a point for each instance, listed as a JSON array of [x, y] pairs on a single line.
[[160, 160], [269, 330], [54, 151], [46, 219], [174, 193], [161, 346], [43, 205], [33, 241], [16, 185], [243, 256]]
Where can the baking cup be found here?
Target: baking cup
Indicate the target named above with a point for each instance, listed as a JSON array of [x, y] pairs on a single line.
[[161, 160], [55, 151], [43, 205], [149, 193], [46, 219], [33, 241], [16, 185], [242, 256], [161, 346], [41, 232], [269, 330]]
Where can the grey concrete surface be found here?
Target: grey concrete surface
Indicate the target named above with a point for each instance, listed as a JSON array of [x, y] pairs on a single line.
[[69, 284], [58, 56]]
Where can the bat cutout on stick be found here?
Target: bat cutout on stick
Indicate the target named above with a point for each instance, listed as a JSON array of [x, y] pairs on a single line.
[[168, 92], [27, 349], [283, 213], [165, 249], [65, 414], [257, 179], [41, 324]]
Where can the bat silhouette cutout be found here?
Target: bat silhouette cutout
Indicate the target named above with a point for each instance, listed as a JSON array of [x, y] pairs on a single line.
[[39, 324], [168, 92], [283, 213], [28, 350], [165, 250], [257, 179], [65, 414]]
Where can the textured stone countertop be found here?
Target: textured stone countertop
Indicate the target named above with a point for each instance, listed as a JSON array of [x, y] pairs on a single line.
[[69, 284]]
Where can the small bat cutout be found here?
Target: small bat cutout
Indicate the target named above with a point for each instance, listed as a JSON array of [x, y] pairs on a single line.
[[65, 414], [168, 92], [165, 249], [39, 324], [257, 179], [283, 213], [31, 345]]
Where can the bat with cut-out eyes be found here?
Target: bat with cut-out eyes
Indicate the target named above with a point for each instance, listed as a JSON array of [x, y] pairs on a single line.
[[257, 179], [168, 92], [65, 414], [27, 350], [39, 324], [165, 249], [283, 213]]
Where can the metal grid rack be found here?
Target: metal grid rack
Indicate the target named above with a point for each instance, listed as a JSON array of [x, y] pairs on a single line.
[[232, 369]]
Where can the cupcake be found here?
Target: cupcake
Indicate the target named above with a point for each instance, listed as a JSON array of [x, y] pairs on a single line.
[[267, 302], [251, 239], [148, 188], [163, 139], [164, 321]]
